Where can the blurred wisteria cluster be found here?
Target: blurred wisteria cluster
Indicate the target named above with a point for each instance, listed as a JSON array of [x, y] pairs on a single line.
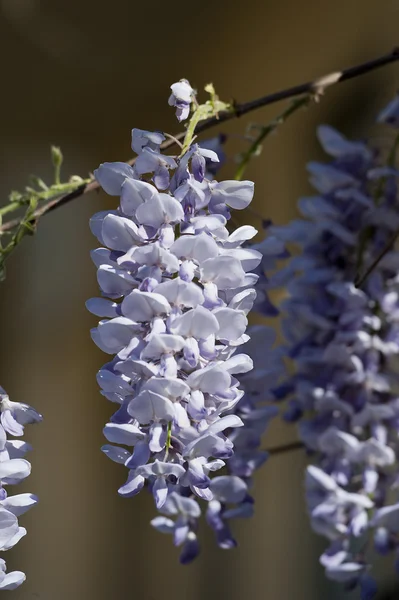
[[194, 385], [341, 326]]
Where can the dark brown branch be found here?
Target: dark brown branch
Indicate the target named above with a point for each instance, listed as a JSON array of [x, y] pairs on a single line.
[[317, 87], [311, 87], [85, 188]]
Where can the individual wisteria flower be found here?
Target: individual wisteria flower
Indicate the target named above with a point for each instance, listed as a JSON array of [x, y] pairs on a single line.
[[344, 341], [13, 469], [181, 97], [176, 288], [215, 144]]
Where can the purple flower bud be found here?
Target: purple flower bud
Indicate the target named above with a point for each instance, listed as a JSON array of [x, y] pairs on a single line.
[[181, 97]]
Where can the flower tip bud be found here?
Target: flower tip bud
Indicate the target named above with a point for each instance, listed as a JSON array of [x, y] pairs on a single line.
[[56, 156]]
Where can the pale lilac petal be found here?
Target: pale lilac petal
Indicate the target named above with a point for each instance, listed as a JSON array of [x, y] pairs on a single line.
[[134, 193], [196, 247], [160, 492], [144, 306], [120, 233], [180, 293], [232, 323], [148, 406], [111, 176], [224, 271], [20, 503], [163, 524], [8, 526], [101, 307], [236, 194], [14, 470], [12, 580], [142, 138], [116, 454], [15, 539], [162, 344], [199, 323], [133, 485], [126, 434], [229, 488]]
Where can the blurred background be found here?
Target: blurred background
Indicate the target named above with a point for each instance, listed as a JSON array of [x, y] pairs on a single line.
[[81, 74]]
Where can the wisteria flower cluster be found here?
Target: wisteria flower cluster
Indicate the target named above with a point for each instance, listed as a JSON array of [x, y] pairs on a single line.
[[342, 332], [176, 288], [195, 388], [13, 469]]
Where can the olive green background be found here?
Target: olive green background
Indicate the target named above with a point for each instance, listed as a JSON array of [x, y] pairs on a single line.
[[81, 74]]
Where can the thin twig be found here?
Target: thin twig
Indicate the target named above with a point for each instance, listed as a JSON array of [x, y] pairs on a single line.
[[317, 86], [266, 130], [361, 277], [85, 188], [359, 282], [297, 445]]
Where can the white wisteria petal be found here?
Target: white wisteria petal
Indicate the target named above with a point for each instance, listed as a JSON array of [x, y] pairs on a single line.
[[181, 293], [120, 233], [198, 322], [195, 247], [148, 406], [224, 271], [143, 306], [134, 192], [162, 343], [111, 176], [232, 323], [161, 208]]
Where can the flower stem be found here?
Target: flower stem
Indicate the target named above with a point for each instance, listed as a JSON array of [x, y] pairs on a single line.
[[168, 439], [267, 130]]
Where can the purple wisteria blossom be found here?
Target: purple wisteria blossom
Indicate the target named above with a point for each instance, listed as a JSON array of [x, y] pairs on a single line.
[[181, 97], [343, 339], [176, 289], [13, 469]]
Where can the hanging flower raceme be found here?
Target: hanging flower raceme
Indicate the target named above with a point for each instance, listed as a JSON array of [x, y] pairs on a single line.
[[176, 288], [344, 340], [13, 469]]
